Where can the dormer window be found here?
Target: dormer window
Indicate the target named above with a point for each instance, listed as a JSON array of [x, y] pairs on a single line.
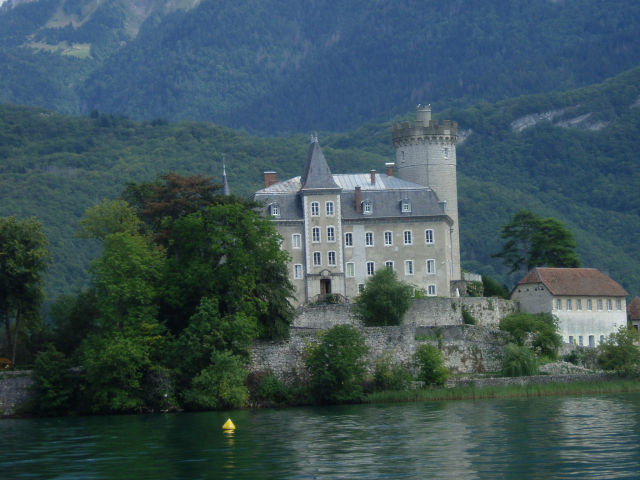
[[405, 206], [367, 207], [274, 209]]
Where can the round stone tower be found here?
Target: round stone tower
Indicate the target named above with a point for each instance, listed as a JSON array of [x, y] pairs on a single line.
[[426, 154]]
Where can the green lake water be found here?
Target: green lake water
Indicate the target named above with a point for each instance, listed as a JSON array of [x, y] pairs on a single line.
[[550, 437]]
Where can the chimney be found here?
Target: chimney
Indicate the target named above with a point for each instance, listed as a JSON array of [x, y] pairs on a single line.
[[390, 166], [270, 178], [373, 177], [358, 200]]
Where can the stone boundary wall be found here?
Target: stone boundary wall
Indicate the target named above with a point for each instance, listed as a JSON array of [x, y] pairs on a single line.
[[466, 348], [436, 311], [15, 390], [533, 380]]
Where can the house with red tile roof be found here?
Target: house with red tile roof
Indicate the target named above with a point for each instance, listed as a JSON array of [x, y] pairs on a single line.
[[633, 313], [588, 304]]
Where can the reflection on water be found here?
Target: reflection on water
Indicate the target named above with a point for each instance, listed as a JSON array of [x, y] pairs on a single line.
[[553, 437]]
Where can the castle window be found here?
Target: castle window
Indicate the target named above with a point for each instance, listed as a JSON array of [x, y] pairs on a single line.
[[559, 304], [589, 304], [601, 338], [317, 258], [297, 271], [388, 239], [331, 234], [569, 306], [360, 287], [275, 210], [592, 341], [367, 207], [328, 208], [579, 304], [331, 256], [580, 342], [570, 339], [618, 304], [368, 239], [599, 304], [445, 152], [431, 290], [315, 234], [388, 265], [315, 209], [296, 240], [428, 237], [431, 267], [408, 267], [405, 206], [351, 269], [371, 268], [609, 304], [348, 239], [408, 240]]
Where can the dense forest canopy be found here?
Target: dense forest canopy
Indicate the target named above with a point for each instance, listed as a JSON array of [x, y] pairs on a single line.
[[274, 66], [579, 167]]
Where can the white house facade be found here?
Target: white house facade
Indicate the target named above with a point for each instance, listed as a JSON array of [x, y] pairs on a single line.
[[588, 304]]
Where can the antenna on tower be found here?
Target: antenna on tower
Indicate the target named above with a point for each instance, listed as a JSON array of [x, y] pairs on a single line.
[[225, 184]]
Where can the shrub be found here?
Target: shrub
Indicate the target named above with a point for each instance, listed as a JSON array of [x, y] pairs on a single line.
[[54, 383], [388, 376], [467, 317], [430, 364], [518, 361], [493, 289], [618, 352], [337, 365], [385, 299], [583, 356], [270, 389], [542, 328]]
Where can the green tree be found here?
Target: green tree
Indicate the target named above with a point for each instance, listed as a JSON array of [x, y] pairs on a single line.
[[337, 365], [54, 383], [518, 361], [109, 216], [430, 364], [619, 352], [385, 299], [23, 260], [541, 328], [531, 241]]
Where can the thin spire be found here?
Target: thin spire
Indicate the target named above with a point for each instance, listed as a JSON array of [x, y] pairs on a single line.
[[225, 184]]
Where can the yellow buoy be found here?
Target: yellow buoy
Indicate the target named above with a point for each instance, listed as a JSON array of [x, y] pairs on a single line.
[[228, 425]]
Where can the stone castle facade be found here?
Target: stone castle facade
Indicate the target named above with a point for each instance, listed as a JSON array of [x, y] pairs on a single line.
[[340, 228]]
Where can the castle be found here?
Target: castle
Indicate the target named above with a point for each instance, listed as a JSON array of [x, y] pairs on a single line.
[[340, 228]]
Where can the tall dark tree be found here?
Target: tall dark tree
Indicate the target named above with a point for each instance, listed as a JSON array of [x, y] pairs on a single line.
[[23, 261], [531, 241]]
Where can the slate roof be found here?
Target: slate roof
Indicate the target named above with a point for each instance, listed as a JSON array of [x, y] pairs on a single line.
[[633, 309], [574, 282], [316, 173]]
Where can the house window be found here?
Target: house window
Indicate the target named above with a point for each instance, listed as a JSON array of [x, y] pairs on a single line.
[[579, 304], [406, 206], [570, 339], [580, 340], [328, 208], [367, 207], [368, 239], [317, 258], [360, 287], [315, 234], [331, 258], [589, 304], [371, 268], [601, 338], [315, 209], [592, 341], [407, 237], [618, 304], [558, 304], [296, 240], [599, 304], [445, 152], [348, 239], [428, 237], [275, 210], [609, 304], [431, 266], [569, 307], [388, 265], [388, 239], [408, 267], [331, 234], [351, 269], [431, 290], [297, 271]]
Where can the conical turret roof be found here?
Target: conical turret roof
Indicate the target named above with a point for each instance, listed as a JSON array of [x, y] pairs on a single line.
[[316, 172]]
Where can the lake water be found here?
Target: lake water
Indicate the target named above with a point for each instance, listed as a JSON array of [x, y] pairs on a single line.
[[550, 437]]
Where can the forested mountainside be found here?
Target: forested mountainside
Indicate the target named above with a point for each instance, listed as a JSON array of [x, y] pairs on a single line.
[[571, 155], [274, 66]]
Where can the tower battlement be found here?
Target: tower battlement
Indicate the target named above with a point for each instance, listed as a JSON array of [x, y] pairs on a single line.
[[405, 133]]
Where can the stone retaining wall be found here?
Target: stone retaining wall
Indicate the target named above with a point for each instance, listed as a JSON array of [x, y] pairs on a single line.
[[15, 390], [534, 380]]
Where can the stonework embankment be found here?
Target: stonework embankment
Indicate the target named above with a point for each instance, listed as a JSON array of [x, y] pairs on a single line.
[[15, 390]]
